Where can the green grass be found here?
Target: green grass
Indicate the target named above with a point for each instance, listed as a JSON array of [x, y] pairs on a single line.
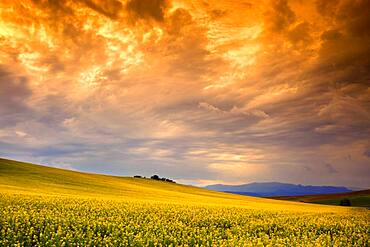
[[357, 198], [356, 201], [43, 206]]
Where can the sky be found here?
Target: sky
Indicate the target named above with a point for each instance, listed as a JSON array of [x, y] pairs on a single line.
[[199, 91]]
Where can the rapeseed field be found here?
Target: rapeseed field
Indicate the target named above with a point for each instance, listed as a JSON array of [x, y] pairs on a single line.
[[140, 212]]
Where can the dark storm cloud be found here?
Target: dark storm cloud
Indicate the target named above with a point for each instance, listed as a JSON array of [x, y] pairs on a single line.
[[215, 90], [53, 110], [300, 35], [14, 93], [332, 92], [326, 7], [55, 7], [109, 8], [281, 16], [342, 72], [346, 44], [143, 9]]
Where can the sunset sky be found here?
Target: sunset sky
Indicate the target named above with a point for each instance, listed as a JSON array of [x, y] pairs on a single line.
[[199, 91]]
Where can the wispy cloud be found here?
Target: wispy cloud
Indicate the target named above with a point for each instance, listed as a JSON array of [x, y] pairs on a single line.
[[228, 91]]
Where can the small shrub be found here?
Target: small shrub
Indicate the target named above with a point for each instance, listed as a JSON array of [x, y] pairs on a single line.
[[345, 202]]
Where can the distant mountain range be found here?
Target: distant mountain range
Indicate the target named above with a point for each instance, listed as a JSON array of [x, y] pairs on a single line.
[[277, 189]]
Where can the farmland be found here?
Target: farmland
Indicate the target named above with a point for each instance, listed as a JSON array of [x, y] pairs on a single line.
[[47, 206], [357, 198]]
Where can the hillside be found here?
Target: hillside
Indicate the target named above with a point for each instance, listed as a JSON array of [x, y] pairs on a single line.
[[43, 206], [357, 198], [25, 178], [277, 189]]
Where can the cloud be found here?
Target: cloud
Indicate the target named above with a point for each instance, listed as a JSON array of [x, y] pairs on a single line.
[[210, 107], [330, 168], [234, 111], [14, 92], [300, 35], [143, 9], [20, 133], [367, 153], [54, 7], [344, 45], [200, 91], [109, 8], [280, 17]]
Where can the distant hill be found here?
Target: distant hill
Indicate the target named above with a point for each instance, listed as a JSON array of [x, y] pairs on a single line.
[[277, 189], [356, 198]]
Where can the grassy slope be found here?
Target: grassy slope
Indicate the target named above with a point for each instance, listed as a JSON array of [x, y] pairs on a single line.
[[24, 178], [357, 198]]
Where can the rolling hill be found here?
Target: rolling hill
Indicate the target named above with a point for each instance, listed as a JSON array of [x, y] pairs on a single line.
[[276, 189], [44, 206], [25, 178]]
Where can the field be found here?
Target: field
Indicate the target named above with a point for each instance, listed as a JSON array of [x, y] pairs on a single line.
[[357, 198], [41, 206]]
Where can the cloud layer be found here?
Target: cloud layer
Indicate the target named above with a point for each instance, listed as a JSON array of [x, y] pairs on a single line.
[[199, 91]]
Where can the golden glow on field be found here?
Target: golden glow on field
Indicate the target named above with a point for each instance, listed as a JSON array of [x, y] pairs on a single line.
[[41, 205]]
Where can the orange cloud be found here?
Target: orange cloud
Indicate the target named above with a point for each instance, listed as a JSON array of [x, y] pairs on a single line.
[[189, 88]]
